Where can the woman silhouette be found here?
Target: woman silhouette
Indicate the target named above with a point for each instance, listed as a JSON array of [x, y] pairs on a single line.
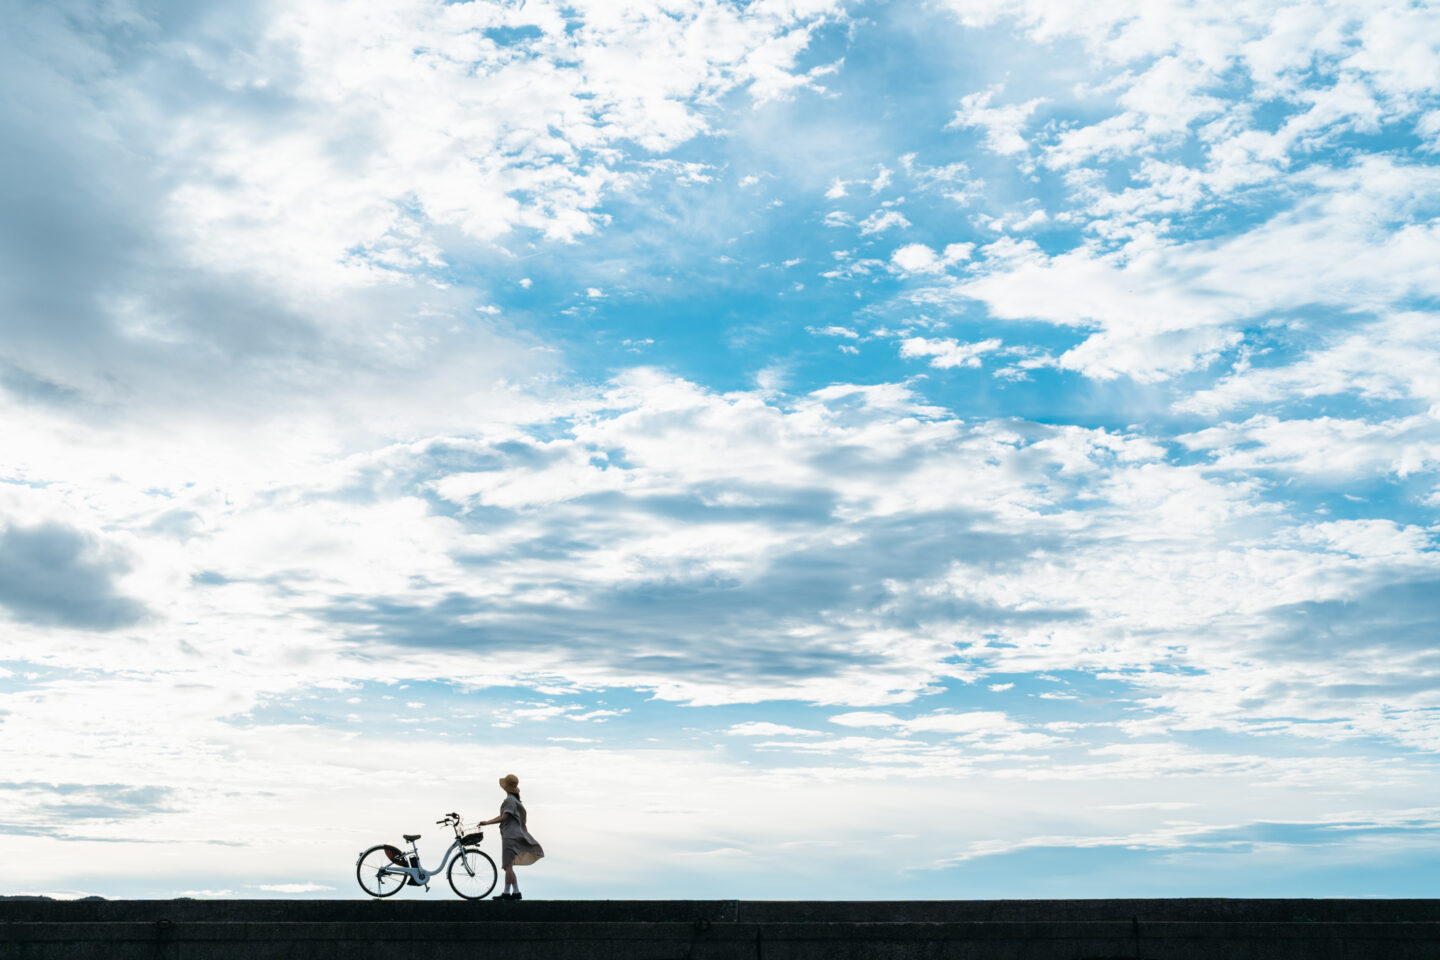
[[517, 847]]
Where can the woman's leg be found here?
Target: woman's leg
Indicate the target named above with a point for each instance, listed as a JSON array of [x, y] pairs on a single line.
[[510, 878]]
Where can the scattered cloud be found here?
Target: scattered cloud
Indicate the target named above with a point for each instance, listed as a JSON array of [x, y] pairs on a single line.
[[917, 258], [945, 353], [761, 728], [1002, 124], [881, 221]]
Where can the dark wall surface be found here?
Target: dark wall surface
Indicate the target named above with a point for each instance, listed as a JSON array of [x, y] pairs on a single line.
[[435, 929]]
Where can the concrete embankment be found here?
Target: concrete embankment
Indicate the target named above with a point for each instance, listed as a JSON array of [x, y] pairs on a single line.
[[1198, 929]]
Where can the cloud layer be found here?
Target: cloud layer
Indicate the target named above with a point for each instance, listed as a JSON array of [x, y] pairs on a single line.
[[708, 409]]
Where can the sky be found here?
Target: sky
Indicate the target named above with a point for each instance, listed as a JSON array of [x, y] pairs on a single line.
[[856, 450]]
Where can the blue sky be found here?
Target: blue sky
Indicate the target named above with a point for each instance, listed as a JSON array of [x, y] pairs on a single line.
[[982, 448]]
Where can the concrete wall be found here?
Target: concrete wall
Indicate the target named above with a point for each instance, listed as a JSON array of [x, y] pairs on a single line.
[[438, 929]]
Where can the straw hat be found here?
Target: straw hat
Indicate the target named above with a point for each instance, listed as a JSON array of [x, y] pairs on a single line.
[[511, 783]]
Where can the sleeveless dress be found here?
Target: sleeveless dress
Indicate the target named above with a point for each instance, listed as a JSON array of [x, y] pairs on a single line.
[[517, 847]]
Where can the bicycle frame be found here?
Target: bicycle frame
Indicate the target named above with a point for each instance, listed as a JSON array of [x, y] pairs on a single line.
[[419, 874]]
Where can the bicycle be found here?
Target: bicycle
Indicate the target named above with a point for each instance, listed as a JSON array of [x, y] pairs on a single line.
[[383, 869]]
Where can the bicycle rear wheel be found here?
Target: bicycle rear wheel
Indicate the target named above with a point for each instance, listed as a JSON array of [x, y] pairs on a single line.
[[472, 874], [376, 874]]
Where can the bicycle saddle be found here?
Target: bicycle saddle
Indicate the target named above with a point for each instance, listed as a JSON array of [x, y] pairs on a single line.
[[410, 837]]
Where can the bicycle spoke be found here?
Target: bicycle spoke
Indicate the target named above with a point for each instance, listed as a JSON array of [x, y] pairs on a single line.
[[472, 874], [377, 877]]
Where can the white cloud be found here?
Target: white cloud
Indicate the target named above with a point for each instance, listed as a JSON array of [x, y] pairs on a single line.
[[1032, 219], [834, 331], [989, 730], [421, 97], [317, 188], [1392, 358], [1323, 446], [945, 353], [1428, 127], [761, 728], [951, 180], [1163, 307], [1002, 125], [917, 258], [652, 439], [978, 722], [1158, 76], [882, 220]]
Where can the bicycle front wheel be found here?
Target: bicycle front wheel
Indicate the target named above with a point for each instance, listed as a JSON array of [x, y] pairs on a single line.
[[377, 874], [472, 874]]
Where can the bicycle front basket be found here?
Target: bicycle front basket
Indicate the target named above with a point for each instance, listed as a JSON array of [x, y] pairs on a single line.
[[471, 839], [396, 857]]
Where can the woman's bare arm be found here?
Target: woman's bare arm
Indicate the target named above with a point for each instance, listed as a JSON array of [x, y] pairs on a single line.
[[500, 819]]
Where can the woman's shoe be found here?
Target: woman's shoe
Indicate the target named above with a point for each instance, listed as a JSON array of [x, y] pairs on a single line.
[[516, 896], [503, 896]]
